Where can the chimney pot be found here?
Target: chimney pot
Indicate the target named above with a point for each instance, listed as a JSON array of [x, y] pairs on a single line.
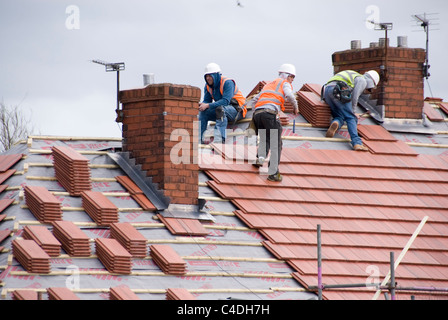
[[402, 41], [355, 44]]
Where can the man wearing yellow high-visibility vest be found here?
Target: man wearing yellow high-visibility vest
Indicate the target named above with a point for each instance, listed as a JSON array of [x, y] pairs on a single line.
[[342, 93]]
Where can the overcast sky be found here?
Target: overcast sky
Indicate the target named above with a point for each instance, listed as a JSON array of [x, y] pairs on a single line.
[[47, 47]]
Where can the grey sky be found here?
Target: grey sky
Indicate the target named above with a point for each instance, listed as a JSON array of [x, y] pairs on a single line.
[[45, 57]]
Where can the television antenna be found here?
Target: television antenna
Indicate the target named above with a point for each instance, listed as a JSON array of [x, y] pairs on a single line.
[[383, 26], [424, 22], [117, 67]]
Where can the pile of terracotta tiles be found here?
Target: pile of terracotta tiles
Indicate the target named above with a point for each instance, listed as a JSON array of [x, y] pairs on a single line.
[[122, 293], [32, 257], [99, 208], [129, 237], [284, 119], [71, 169], [73, 240], [167, 259], [311, 107], [61, 293], [256, 89], [179, 294], [43, 204], [113, 256], [24, 294], [44, 238]]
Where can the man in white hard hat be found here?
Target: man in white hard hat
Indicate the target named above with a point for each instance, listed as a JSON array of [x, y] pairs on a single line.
[[267, 105], [223, 102], [342, 93]]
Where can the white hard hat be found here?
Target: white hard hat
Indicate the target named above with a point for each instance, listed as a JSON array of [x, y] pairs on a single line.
[[287, 68], [212, 68], [374, 75]]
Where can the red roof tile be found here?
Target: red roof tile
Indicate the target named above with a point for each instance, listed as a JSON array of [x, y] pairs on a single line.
[[7, 161], [432, 113], [187, 227]]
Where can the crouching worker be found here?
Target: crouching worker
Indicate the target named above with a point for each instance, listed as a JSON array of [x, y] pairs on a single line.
[[223, 103], [342, 93]]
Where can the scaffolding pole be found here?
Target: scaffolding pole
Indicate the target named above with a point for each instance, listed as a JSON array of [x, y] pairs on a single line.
[[392, 287], [401, 256]]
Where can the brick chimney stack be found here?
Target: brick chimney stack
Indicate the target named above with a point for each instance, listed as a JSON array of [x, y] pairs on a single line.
[[159, 132], [402, 93]]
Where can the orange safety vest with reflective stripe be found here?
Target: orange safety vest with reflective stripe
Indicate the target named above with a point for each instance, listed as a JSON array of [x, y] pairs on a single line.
[[237, 94], [272, 93]]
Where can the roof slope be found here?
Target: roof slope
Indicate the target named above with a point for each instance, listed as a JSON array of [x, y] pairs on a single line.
[[367, 205]]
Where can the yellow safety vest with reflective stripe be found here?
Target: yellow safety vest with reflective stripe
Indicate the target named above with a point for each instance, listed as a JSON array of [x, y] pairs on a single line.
[[237, 94], [272, 93], [348, 76]]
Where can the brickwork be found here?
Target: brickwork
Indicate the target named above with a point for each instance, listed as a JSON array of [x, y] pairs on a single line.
[[403, 92], [159, 122]]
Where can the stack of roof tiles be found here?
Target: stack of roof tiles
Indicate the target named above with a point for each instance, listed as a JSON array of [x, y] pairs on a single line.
[[122, 293], [129, 237], [256, 89], [44, 238], [311, 107], [32, 257], [71, 169], [73, 240], [179, 294], [61, 293], [99, 208], [167, 259], [25, 294], [113, 255], [43, 204]]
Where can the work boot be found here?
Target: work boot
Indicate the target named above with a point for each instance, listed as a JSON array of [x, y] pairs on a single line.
[[259, 162], [277, 177], [360, 147], [332, 130]]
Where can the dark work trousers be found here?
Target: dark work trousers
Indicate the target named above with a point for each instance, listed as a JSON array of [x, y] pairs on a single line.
[[269, 129]]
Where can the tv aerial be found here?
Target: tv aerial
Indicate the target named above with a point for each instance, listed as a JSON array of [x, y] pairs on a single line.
[[117, 67], [383, 26], [423, 21]]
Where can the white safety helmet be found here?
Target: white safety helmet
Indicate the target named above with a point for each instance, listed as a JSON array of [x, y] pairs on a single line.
[[288, 68], [374, 75], [212, 68]]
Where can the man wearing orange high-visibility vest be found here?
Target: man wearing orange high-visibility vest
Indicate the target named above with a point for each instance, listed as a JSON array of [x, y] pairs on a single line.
[[267, 106], [223, 102]]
